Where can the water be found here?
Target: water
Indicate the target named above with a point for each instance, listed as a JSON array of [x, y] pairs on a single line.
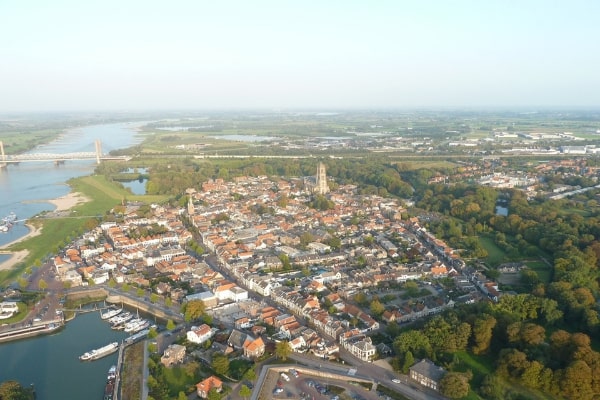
[[24, 187], [136, 186], [52, 363]]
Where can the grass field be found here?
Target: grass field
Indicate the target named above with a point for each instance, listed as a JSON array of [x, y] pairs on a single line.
[[543, 270], [496, 255]]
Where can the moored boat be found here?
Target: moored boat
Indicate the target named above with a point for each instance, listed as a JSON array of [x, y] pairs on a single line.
[[111, 313], [131, 324], [133, 338], [143, 325], [112, 373], [121, 318], [100, 352]]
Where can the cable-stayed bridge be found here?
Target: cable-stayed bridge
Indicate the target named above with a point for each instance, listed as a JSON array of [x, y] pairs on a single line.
[[57, 158]]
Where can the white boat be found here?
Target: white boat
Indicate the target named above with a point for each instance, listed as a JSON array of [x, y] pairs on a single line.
[[144, 325], [132, 325], [111, 313], [121, 318], [112, 373], [100, 352]]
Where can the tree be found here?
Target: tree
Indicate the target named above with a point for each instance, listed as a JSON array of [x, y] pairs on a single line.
[[250, 374], [220, 363], [152, 333], [361, 298], [283, 350], [482, 333], [576, 382], [140, 292], [168, 302], [181, 396], [414, 341], [191, 368], [245, 392], [409, 360], [214, 395], [377, 308], [454, 385], [170, 325], [12, 390], [193, 310], [491, 388], [42, 284]]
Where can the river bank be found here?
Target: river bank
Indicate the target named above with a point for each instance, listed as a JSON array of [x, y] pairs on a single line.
[[63, 203]]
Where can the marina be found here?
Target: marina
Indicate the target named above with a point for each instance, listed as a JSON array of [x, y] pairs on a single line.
[[7, 222]]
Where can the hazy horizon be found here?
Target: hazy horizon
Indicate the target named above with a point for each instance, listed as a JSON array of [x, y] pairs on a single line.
[[268, 55]]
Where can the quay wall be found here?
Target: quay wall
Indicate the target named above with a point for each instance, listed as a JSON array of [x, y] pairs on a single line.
[[144, 306]]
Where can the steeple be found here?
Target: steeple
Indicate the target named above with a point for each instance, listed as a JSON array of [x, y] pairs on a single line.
[[321, 180], [190, 206]]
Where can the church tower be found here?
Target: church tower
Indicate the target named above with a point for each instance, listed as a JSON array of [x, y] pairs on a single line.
[[190, 206], [321, 180]]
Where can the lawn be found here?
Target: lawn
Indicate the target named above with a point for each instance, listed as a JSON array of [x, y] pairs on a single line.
[[496, 255], [543, 270], [178, 380]]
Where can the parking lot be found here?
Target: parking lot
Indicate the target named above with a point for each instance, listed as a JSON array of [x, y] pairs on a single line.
[[305, 386]]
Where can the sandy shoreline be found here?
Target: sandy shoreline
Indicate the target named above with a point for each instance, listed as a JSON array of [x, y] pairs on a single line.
[[68, 201], [62, 203]]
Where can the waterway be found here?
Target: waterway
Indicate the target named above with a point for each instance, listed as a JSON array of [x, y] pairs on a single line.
[[24, 187], [51, 362]]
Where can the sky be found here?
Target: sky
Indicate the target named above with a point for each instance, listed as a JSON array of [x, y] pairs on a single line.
[[131, 55]]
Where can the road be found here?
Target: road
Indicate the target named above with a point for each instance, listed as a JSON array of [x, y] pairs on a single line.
[[379, 375], [407, 387]]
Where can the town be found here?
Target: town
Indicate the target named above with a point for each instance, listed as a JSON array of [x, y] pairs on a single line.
[[265, 243]]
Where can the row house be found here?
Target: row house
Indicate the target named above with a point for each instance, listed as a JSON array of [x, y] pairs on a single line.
[[88, 251], [243, 323], [356, 312]]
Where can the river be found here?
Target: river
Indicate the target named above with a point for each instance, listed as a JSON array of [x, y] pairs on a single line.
[[51, 362], [24, 187]]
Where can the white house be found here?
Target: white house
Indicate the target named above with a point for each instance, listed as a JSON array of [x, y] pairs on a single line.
[[199, 334]]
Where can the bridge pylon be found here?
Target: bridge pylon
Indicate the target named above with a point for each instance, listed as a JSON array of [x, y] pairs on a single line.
[[2, 155], [98, 144]]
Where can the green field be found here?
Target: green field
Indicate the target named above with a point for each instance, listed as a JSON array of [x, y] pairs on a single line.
[[496, 255], [543, 270]]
